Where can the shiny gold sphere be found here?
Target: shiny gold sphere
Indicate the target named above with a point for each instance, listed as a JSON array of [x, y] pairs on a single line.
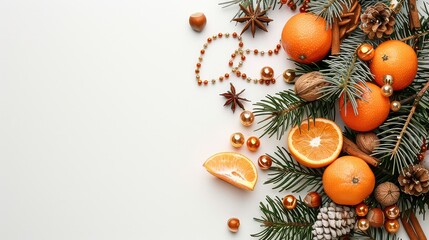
[[363, 224], [387, 90], [392, 225], [395, 106], [388, 79], [392, 212], [247, 118], [361, 209], [253, 143], [289, 76], [265, 162], [237, 139], [365, 52], [289, 202], [267, 73]]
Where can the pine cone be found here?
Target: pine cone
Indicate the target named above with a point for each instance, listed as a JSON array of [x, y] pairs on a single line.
[[377, 21], [333, 221], [414, 180]]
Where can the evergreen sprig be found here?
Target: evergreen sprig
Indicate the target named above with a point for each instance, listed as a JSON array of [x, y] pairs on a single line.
[[374, 234], [280, 223], [266, 4], [285, 109], [329, 9], [288, 175]]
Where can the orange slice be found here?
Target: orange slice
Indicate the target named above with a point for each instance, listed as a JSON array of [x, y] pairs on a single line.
[[316, 143], [233, 168]]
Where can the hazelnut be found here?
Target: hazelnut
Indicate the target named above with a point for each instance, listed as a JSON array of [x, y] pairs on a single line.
[[309, 85], [313, 200], [197, 21], [233, 224], [375, 217], [367, 141]]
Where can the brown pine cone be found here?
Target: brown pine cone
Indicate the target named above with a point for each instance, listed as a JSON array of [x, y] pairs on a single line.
[[377, 21], [414, 180]]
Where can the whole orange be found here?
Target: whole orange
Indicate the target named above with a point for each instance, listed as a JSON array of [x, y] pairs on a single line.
[[373, 110], [397, 59], [305, 38], [348, 180]]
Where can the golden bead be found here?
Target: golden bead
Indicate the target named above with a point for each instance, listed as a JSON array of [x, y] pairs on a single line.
[[289, 202], [363, 224], [387, 90], [395, 106], [265, 162], [267, 73], [365, 52], [392, 225], [253, 143], [247, 118], [233, 224], [392, 212], [361, 209], [388, 79], [237, 139], [289, 76]]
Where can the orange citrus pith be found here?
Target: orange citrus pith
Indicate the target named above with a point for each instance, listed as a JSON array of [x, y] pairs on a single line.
[[233, 168], [372, 111], [305, 38], [397, 59], [316, 143], [348, 180]]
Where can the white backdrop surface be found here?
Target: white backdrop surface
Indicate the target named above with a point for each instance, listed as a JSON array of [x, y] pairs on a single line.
[[103, 129]]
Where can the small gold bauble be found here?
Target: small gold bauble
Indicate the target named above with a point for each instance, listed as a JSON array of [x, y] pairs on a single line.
[[395, 106], [289, 76], [247, 118], [233, 224], [392, 225], [289, 202], [361, 209], [253, 143], [267, 73], [387, 90], [366, 52], [388, 79], [237, 139], [265, 162], [392, 211], [363, 224], [313, 199], [375, 217]]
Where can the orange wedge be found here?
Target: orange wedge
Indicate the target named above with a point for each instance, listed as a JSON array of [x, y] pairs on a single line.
[[316, 143], [233, 168]]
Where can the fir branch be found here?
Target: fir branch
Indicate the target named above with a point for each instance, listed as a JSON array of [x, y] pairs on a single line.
[[329, 9], [288, 175], [280, 223], [416, 204], [373, 234], [286, 109], [266, 4]]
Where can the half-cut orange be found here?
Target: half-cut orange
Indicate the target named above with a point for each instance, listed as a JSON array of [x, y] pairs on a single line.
[[233, 168], [316, 143]]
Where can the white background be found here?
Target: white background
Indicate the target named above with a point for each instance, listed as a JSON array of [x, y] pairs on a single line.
[[103, 129]]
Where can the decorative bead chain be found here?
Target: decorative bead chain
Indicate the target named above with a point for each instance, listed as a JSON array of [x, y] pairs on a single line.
[[234, 69]]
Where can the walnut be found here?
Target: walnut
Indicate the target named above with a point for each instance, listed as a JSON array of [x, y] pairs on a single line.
[[387, 193], [308, 86], [367, 142]]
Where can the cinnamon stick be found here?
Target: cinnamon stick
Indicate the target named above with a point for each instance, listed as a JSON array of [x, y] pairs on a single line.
[[419, 231], [351, 148], [414, 15], [335, 46], [408, 228]]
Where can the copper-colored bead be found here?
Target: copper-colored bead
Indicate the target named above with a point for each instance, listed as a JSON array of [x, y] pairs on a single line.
[[233, 224], [392, 212], [255, 51], [276, 51], [253, 143], [205, 82], [198, 65], [270, 52], [240, 44], [365, 52], [219, 35], [202, 51], [237, 139], [289, 76], [313, 199], [226, 75], [375, 217], [265, 162], [289, 202], [243, 57], [278, 46], [361, 209], [199, 82], [395, 106], [243, 76], [363, 224], [246, 118], [234, 34], [209, 40], [392, 225], [267, 73]]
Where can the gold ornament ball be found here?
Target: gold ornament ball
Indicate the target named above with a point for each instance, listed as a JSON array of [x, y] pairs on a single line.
[[247, 118], [253, 143], [363, 224], [361, 209], [392, 225], [313, 200], [395, 106], [388, 79], [289, 202], [265, 162], [233, 224], [375, 217], [237, 139], [267, 73], [387, 90], [366, 52], [392, 211], [289, 76]]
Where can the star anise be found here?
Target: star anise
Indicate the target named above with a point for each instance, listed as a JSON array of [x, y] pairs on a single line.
[[254, 18], [233, 98]]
